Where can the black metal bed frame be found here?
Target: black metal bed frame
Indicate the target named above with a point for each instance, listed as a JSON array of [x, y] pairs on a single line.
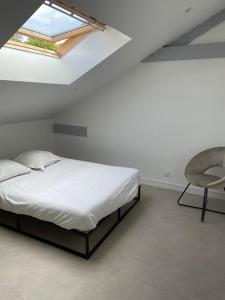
[[204, 203], [86, 235]]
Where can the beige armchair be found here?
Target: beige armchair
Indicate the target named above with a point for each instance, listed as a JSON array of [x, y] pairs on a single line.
[[195, 175]]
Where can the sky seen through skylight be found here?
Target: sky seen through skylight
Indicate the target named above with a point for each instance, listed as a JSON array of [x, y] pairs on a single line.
[[51, 22]]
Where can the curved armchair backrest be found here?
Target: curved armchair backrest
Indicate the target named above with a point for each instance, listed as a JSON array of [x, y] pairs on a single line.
[[214, 157]]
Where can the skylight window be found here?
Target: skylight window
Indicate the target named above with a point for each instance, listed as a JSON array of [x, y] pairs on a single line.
[[51, 22], [54, 29]]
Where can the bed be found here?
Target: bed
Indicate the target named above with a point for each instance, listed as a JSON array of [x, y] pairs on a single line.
[[69, 197]]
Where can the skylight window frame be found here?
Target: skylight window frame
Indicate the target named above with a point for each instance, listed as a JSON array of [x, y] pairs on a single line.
[[74, 11], [71, 37], [57, 38], [31, 49]]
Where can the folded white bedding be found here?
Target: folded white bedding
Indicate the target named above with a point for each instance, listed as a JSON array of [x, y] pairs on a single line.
[[72, 194]]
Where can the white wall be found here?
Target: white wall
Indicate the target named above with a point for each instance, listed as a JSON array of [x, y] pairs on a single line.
[[154, 118], [19, 137]]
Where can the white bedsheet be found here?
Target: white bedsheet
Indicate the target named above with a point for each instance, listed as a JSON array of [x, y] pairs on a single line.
[[72, 194]]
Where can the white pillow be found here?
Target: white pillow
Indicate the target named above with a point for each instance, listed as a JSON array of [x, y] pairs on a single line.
[[37, 159], [10, 169]]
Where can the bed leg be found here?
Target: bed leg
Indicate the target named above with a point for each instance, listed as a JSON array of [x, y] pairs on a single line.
[[18, 223], [87, 246], [139, 193], [118, 214]]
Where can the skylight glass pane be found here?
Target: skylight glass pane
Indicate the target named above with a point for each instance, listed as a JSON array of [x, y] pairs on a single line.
[[51, 22]]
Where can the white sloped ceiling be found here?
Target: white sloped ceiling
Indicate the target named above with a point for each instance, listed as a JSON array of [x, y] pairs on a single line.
[[150, 23]]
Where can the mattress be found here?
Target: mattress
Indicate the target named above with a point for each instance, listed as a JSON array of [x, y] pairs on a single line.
[[71, 194]]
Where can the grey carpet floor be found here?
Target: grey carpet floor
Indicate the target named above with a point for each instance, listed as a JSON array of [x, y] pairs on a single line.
[[159, 252]]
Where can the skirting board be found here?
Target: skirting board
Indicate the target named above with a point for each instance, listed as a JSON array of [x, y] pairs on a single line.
[[180, 187]]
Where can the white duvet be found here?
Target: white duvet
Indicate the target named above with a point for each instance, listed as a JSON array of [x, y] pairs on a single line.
[[72, 194]]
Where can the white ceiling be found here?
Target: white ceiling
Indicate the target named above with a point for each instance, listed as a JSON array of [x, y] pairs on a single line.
[[30, 101], [12, 16], [150, 23], [30, 67]]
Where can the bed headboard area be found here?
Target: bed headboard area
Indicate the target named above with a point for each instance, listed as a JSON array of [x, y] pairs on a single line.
[[19, 137]]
